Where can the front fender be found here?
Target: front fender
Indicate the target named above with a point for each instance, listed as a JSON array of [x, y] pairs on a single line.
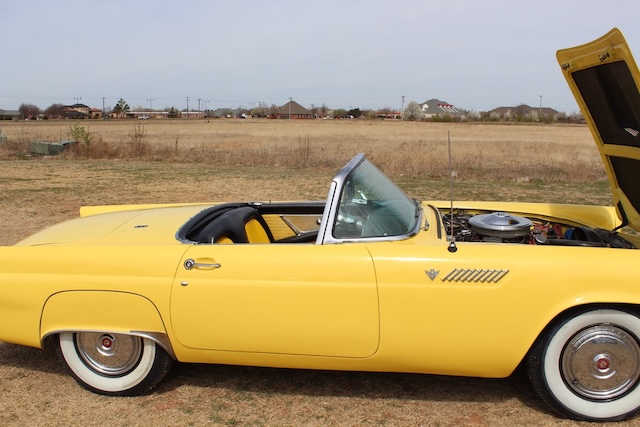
[[109, 311]]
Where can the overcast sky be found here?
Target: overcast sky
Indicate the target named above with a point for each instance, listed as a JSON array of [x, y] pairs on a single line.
[[476, 55]]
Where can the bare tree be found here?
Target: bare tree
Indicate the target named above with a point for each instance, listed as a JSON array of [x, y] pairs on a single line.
[[29, 111], [384, 111], [324, 110], [54, 111], [261, 110]]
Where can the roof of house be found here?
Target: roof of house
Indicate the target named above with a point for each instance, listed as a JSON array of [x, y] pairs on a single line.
[[296, 109], [9, 112], [435, 107], [523, 109]]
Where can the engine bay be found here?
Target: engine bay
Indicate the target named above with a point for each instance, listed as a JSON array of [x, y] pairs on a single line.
[[504, 227]]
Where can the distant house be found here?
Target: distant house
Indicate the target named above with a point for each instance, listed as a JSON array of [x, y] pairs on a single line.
[[80, 108], [95, 113], [143, 115], [81, 111], [10, 115], [76, 111], [435, 107], [192, 114], [293, 110], [386, 114], [70, 113], [522, 111]]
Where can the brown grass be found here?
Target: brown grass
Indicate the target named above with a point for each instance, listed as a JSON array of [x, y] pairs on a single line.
[[516, 152], [37, 391]]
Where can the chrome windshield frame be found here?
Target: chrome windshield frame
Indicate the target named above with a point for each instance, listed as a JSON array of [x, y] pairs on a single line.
[[325, 232]]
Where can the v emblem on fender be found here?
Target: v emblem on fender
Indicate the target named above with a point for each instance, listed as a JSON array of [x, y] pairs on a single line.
[[432, 273]]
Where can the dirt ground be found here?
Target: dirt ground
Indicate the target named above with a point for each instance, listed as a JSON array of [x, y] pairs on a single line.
[[36, 390]]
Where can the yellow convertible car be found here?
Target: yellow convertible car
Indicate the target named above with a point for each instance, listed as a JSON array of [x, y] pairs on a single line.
[[368, 280]]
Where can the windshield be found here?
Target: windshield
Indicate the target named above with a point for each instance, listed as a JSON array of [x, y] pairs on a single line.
[[371, 205]]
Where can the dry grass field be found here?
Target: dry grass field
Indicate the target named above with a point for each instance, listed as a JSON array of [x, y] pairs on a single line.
[[180, 161], [516, 152]]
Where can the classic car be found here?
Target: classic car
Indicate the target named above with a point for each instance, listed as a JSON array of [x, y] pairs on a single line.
[[367, 280]]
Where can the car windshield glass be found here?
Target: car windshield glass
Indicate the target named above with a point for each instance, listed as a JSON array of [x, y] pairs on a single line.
[[371, 205]]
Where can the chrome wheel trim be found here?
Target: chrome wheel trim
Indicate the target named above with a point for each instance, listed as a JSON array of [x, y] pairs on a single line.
[[601, 363], [109, 354], [558, 388], [92, 379]]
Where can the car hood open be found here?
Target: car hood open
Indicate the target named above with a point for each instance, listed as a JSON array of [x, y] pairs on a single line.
[[604, 79]]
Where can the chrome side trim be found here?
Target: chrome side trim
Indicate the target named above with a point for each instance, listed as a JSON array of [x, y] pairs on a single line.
[[472, 275], [159, 338]]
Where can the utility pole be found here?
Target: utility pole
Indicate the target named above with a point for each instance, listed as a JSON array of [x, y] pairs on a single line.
[[540, 110], [187, 107], [402, 110], [103, 115], [150, 99], [199, 99]]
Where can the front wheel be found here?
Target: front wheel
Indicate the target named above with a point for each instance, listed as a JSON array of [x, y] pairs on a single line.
[[113, 364], [588, 367]]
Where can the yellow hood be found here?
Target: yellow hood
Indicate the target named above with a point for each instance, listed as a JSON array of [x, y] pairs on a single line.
[[604, 79]]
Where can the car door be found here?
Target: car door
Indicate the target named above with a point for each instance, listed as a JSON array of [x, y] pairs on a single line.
[[277, 298]]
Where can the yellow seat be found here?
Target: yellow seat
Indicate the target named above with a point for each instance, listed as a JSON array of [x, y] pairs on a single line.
[[256, 232]]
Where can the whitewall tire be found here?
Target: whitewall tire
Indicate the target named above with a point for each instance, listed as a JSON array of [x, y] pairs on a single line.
[[113, 364], [587, 367]]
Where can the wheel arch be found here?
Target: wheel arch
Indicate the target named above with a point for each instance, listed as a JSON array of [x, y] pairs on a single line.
[[575, 310], [103, 311], [568, 313]]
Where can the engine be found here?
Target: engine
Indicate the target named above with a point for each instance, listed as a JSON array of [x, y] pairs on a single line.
[[503, 227]]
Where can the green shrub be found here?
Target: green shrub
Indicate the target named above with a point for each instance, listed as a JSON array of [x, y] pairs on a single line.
[[80, 134]]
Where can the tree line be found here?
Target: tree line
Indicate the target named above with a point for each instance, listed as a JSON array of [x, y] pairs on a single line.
[[413, 112]]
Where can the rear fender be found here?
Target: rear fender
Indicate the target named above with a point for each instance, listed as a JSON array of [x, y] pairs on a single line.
[[103, 311]]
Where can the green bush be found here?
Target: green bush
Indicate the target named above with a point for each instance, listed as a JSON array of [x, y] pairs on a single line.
[[80, 134]]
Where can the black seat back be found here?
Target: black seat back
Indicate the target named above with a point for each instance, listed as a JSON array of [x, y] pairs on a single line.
[[231, 225]]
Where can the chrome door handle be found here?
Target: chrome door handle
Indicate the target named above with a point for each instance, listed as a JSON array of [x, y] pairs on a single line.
[[190, 264]]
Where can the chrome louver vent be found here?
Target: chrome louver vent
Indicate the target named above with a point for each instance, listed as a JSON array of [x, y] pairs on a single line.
[[474, 275]]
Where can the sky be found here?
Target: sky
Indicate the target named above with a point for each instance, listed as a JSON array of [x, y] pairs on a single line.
[[367, 54]]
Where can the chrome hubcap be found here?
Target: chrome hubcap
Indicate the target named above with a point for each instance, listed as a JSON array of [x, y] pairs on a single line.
[[601, 362], [109, 354]]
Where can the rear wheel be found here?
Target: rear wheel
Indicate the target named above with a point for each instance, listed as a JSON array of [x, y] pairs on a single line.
[[113, 364], [588, 366]]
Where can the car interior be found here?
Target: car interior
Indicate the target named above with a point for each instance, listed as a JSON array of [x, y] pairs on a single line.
[[254, 223]]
